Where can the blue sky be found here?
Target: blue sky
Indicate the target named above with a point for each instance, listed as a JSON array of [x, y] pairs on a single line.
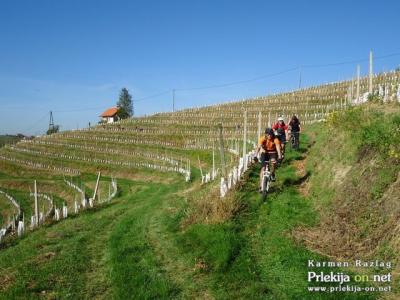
[[73, 57]]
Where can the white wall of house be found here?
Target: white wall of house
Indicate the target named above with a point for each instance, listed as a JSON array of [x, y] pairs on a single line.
[[108, 119]]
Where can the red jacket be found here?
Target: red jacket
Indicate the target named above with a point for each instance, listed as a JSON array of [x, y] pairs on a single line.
[[279, 125]]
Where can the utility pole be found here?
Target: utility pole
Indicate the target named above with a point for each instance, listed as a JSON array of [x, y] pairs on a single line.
[[300, 77], [370, 73]]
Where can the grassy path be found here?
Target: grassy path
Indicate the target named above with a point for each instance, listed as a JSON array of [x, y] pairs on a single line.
[[254, 256], [134, 248], [125, 250], [63, 260]]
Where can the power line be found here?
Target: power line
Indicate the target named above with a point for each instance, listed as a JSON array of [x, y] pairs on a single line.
[[153, 96], [388, 55], [287, 71], [103, 107], [80, 109], [36, 123], [309, 66], [349, 62], [334, 64], [239, 82], [20, 108]]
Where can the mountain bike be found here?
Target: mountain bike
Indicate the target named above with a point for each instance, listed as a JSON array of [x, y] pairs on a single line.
[[266, 182], [294, 140]]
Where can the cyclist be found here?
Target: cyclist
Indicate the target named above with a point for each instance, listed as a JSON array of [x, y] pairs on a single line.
[[270, 149], [281, 132], [295, 130]]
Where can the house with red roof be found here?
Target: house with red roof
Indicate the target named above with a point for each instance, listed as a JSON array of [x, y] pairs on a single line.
[[110, 115]]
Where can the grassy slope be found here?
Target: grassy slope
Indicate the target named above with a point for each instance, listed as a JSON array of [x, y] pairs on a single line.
[[6, 209], [136, 248], [355, 186], [253, 256], [125, 249], [105, 248], [8, 139]]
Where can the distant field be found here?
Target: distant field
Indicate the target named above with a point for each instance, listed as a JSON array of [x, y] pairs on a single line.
[[7, 139]]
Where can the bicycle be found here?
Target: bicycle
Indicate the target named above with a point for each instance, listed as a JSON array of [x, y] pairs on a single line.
[[294, 140], [266, 182], [296, 136]]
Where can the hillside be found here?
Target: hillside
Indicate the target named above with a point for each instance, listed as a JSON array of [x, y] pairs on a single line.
[[9, 139], [355, 186], [161, 236]]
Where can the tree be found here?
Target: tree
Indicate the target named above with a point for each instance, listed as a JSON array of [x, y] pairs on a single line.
[[125, 104], [53, 129]]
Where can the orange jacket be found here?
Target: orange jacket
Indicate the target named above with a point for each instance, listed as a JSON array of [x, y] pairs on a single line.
[[269, 145]]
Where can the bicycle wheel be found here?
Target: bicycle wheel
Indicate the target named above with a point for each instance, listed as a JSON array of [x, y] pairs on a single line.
[[265, 187], [298, 141], [268, 184]]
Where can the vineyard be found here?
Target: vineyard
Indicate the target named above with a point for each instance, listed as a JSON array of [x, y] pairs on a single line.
[[207, 149], [183, 142]]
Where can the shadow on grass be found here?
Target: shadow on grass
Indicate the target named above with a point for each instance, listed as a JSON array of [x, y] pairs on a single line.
[[296, 181], [288, 160]]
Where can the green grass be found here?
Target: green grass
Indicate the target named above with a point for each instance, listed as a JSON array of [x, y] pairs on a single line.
[[6, 210], [136, 247], [254, 256], [122, 250], [136, 271], [8, 139], [362, 144], [216, 244], [25, 201]]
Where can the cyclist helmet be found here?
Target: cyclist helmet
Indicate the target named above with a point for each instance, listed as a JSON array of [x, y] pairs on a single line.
[[280, 119], [269, 131]]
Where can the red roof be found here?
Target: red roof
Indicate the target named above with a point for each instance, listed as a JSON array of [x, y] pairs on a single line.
[[111, 112]]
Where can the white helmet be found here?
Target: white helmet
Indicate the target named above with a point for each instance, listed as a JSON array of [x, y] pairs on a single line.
[[280, 119]]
